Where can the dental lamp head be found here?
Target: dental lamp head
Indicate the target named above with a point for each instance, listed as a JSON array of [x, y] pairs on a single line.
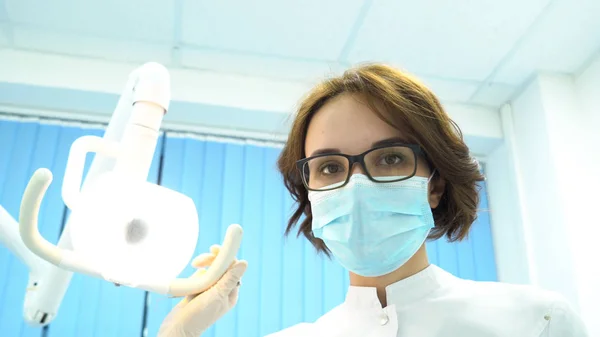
[[123, 228]]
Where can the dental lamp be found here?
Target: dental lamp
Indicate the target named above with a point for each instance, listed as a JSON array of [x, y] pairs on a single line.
[[122, 228]]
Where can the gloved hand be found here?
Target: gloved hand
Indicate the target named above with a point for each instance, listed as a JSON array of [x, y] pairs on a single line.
[[194, 314]]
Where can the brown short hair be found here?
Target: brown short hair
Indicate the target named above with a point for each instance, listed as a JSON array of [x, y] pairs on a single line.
[[404, 103]]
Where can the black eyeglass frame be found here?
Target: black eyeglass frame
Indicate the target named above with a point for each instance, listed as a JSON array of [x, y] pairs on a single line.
[[360, 159]]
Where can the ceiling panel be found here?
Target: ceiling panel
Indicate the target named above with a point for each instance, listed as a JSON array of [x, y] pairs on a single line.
[[493, 94], [308, 71], [562, 41], [103, 48], [313, 29], [448, 38], [452, 45], [133, 19]]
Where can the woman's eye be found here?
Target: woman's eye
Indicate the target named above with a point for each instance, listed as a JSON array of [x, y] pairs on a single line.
[[330, 169], [391, 159]]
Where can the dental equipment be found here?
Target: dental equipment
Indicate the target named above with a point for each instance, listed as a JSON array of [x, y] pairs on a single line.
[[122, 228]]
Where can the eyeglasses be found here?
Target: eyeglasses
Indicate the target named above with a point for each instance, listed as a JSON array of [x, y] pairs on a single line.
[[389, 163]]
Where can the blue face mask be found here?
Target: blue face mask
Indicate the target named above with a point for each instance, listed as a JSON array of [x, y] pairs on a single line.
[[373, 228]]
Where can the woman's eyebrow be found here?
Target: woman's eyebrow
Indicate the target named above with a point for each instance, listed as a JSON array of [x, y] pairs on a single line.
[[383, 142], [325, 151], [389, 141]]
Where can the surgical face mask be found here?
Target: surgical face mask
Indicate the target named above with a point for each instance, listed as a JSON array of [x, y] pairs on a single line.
[[373, 228]]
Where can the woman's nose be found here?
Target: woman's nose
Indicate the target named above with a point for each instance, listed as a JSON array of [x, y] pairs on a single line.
[[357, 168]]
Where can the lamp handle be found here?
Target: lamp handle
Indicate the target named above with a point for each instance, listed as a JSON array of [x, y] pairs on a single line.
[[76, 162], [30, 233], [227, 255]]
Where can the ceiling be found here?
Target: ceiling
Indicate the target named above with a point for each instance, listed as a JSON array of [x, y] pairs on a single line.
[[478, 52]]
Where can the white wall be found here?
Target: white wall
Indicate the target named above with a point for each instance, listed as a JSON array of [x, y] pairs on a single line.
[[539, 154], [506, 210], [545, 181], [587, 87]]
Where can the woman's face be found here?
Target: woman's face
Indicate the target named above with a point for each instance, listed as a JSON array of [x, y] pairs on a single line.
[[349, 126]]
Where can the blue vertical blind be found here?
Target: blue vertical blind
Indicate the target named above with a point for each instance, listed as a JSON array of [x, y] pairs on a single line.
[[286, 282]]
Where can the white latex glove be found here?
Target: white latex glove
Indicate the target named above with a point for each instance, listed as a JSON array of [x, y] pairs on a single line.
[[194, 314]]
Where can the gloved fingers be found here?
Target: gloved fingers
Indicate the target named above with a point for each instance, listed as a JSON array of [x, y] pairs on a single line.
[[206, 259], [230, 280], [224, 286], [215, 249], [203, 260], [232, 263], [183, 302], [202, 271], [233, 296], [199, 272]]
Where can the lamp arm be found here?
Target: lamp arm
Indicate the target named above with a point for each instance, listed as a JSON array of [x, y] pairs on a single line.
[[10, 238], [48, 283]]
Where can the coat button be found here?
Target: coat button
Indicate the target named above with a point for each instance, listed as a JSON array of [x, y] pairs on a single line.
[[547, 317], [384, 319]]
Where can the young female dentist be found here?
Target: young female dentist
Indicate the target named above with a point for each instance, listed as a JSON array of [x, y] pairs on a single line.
[[377, 167]]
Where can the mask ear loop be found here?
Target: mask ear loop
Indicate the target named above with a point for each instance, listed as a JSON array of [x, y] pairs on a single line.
[[431, 176]]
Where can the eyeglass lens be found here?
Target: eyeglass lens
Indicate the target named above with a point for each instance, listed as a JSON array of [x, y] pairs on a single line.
[[384, 164]]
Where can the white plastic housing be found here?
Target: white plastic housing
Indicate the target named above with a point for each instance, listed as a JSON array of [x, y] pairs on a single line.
[[75, 262], [126, 151], [134, 231]]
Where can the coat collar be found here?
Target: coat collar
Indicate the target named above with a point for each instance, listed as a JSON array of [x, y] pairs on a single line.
[[404, 292]]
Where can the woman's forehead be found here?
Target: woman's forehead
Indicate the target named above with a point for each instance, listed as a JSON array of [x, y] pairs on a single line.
[[347, 124]]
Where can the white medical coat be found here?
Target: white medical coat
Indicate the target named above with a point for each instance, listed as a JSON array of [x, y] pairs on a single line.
[[434, 303]]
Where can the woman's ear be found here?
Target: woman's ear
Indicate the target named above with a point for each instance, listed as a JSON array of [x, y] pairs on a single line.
[[437, 187]]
